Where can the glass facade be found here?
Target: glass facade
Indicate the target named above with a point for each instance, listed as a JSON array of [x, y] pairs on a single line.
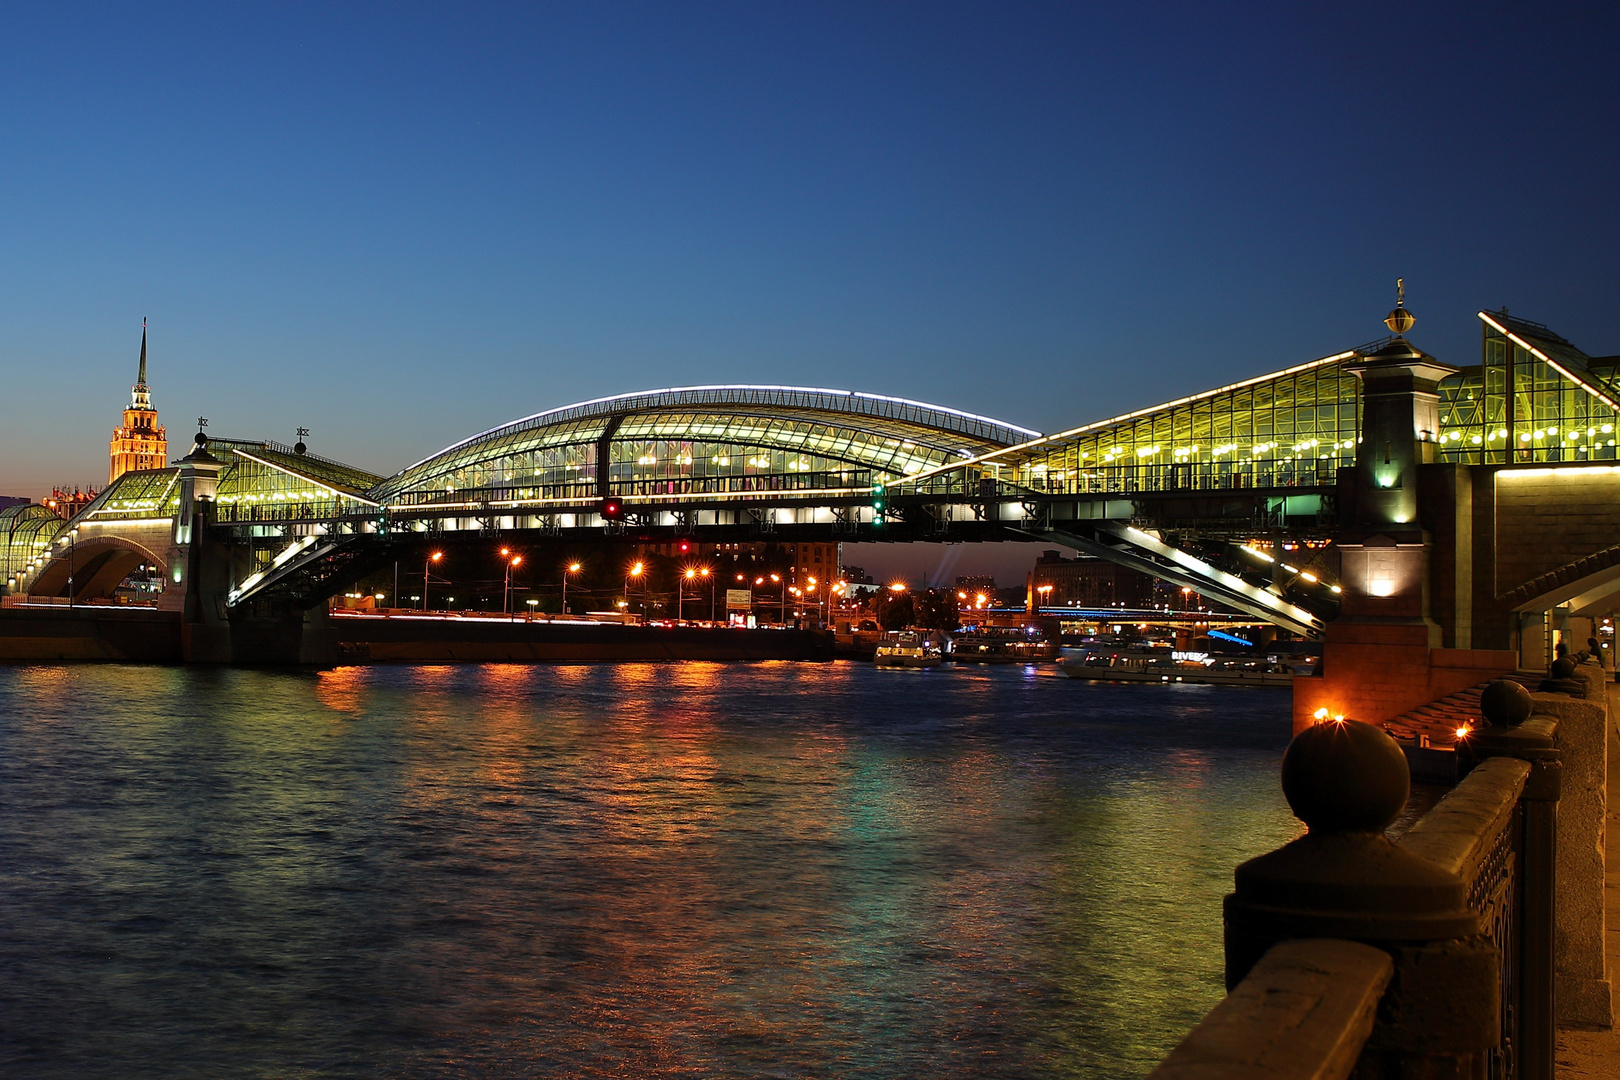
[[704, 443], [1290, 429], [25, 537], [270, 482], [1298, 427], [1561, 406]]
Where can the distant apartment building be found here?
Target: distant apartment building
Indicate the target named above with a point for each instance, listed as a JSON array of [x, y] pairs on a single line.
[[1085, 582]]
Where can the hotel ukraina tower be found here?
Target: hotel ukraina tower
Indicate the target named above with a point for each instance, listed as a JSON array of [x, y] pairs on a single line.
[[140, 443]]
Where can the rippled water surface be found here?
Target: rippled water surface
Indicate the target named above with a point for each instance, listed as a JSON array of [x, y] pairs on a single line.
[[621, 870]]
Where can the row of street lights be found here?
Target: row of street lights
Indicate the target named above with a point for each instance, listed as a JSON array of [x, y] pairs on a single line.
[[637, 571]]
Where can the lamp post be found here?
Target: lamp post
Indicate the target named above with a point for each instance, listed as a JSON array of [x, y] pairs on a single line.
[[778, 578], [1046, 594], [709, 573], [426, 577], [571, 568], [690, 574], [636, 571], [73, 551], [506, 597]]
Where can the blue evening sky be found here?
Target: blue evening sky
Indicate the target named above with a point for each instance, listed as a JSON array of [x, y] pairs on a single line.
[[401, 224]]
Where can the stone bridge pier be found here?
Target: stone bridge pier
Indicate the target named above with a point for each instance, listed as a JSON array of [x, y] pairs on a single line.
[[201, 570]]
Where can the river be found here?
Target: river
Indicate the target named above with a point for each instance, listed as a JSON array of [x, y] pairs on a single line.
[[661, 870]]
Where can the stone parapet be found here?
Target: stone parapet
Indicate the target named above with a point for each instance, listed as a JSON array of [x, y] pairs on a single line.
[[1584, 994]]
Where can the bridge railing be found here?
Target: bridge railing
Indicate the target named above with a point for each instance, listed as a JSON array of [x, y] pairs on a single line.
[[1348, 952]]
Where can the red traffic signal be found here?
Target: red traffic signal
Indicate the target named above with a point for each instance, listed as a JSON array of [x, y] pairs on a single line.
[[612, 510], [685, 547]]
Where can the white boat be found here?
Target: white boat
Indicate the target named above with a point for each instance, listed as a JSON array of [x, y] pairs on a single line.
[[907, 648], [1162, 666]]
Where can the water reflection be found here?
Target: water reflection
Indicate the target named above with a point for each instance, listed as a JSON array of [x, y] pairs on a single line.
[[661, 870]]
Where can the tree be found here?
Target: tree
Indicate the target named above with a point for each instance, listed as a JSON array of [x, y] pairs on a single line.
[[894, 610], [936, 610]]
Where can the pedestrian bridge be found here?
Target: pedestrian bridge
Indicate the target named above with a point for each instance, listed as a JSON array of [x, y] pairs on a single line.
[[1182, 489]]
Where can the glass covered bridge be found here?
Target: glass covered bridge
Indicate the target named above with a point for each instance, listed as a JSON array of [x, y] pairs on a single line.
[[1534, 397], [1252, 459], [710, 444]]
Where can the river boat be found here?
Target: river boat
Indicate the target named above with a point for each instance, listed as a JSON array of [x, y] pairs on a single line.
[[1163, 666], [907, 649], [987, 646]]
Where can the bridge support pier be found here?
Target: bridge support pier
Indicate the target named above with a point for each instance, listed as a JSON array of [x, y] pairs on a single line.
[[1384, 654], [201, 575]]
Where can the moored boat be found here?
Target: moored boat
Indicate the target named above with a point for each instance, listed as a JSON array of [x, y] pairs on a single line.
[[907, 648], [1159, 666]]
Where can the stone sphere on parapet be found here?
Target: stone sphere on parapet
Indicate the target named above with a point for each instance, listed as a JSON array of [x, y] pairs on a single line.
[[1562, 668], [1505, 703], [1345, 776]]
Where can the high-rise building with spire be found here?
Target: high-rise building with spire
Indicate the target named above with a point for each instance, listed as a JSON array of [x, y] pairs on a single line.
[[140, 443]]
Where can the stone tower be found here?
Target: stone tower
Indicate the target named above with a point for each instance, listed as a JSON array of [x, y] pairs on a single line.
[[140, 443]]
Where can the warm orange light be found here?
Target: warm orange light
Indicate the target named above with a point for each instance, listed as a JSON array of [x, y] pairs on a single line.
[[1320, 714], [898, 586], [812, 581], [573, 568], [1463, 732], [961, 595], [636, 570], [506, 551], [1338, 718], [437, 555], [690, 573], [516, 559], [704, 571], [776, 577]]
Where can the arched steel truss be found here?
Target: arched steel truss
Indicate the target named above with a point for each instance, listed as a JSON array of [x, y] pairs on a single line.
[[707, 442]]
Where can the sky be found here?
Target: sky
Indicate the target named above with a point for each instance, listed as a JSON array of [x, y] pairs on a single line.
[[397, 225]]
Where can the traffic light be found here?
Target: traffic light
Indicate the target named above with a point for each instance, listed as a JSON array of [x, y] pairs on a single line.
[[877, 504], [612, 510], [684, 547]]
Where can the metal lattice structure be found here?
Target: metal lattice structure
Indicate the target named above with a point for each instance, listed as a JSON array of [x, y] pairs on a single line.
[[25, 538], [1533, 397], [710, 442], [1291, 428]]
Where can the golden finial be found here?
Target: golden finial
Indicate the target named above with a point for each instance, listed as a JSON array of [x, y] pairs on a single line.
[[1400, 320]]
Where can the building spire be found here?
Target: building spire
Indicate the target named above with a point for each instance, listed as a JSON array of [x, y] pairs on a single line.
[[140, 395]]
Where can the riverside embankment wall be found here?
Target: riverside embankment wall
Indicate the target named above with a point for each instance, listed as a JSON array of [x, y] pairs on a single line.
[[145, 635]]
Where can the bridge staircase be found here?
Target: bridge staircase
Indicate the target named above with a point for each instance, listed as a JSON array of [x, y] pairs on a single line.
[[1137, 549], [304, 570]]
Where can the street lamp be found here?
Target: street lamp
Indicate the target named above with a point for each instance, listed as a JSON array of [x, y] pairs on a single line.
[[73, 550], [506, 594], [680, 594], [426, 566], [636, 571], [708, 573], [778, 578], [571, 568], [1046, 594]]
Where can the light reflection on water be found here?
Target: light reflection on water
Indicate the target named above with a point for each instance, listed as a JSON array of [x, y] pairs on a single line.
[[619, 870]]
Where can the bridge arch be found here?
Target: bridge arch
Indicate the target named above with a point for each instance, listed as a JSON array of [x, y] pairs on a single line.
[[718, 441], [96, 564]]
